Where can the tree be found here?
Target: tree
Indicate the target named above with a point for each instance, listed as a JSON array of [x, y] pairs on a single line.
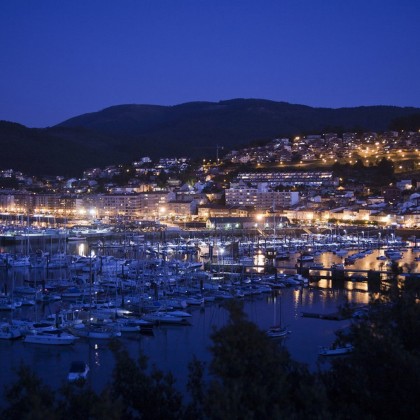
[[296, 157], [379, 379], [253, 377], [29, 398], [385, 168], [359, 166], [144, 395], [162, 178], [76, 401]]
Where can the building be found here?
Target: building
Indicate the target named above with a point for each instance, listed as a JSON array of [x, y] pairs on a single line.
[[181, 209], [244, 223], [261, 197], [117, 205], [219, 210], [307, 178], [152, 203]]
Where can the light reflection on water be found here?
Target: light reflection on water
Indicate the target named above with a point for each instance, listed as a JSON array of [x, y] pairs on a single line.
[[172, 348]]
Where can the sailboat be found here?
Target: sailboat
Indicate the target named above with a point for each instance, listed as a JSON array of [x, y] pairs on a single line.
[[53, 336], [277, 331], [94, 330], [8, 331]]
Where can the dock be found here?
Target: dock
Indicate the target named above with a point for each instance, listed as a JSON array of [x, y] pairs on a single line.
[[335, 316]]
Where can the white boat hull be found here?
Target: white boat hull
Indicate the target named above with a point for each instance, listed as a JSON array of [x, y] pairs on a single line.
[[50, 339]]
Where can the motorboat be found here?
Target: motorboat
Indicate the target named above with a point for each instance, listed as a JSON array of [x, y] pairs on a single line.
[[9, 331], [277, 332], [335, 350], [342, 252], [52, 337], [305, 258], [316, 266], [78, 371], [161, 318], [95, 331]]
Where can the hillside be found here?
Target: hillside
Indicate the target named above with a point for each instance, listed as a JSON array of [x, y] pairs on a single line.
[[196, 127], [54, 151], [125, 132]]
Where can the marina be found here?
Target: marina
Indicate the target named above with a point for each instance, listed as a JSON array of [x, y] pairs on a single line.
[[165, 298]]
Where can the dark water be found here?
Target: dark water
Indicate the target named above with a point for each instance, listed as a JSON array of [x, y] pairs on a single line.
[[172, 348]]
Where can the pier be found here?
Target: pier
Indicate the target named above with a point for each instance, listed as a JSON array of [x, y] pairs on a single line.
[[373, 278]]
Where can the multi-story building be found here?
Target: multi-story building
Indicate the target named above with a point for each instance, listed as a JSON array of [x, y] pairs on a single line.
[[179, 209], [57, 204], [219, 210], [7, 202], [152, 203], [260, 197], [310, 178], [116, 205]]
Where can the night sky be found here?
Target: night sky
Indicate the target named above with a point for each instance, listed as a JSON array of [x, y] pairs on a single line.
[[63, 58]]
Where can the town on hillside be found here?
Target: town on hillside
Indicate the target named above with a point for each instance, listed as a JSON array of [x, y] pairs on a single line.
[[361, 179]]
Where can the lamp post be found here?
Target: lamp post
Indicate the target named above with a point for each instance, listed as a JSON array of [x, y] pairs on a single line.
[[258, 217], [162, 211], [330, 237], [222, 251]]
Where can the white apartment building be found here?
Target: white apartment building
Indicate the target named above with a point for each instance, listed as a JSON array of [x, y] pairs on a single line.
[[117, 205], [310, 178], [152, 203], [260, 197]]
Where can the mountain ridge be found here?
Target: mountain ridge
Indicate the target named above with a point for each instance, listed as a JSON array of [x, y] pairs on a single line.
[[123, 133]]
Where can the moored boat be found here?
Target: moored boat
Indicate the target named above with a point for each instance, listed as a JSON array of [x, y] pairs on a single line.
[[335, 350], [9, 331], [163, 318], [78, 371], [53, 337], [277, 332], [95, 331]]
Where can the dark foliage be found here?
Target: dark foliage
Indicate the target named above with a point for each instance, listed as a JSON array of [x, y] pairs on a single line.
[[380, 174], [29, 398], [122, 133], [409, 123], [142, 394], [255, 378], [251, 377], [55, 151], [379, 379]]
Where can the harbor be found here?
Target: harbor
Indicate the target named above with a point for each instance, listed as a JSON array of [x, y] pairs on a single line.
[[164, 298]]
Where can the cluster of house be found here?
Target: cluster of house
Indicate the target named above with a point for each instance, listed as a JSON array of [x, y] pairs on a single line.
[[249, 198], [320, 200], [329, 148]]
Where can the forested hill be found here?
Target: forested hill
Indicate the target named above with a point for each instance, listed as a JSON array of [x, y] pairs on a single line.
[[126, 132]]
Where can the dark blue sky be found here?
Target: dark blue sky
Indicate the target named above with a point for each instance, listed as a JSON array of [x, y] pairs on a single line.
[[63, 58]]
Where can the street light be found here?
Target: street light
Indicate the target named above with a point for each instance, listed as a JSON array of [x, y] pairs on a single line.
[[259, 218], [222, 251], [162, 211]]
